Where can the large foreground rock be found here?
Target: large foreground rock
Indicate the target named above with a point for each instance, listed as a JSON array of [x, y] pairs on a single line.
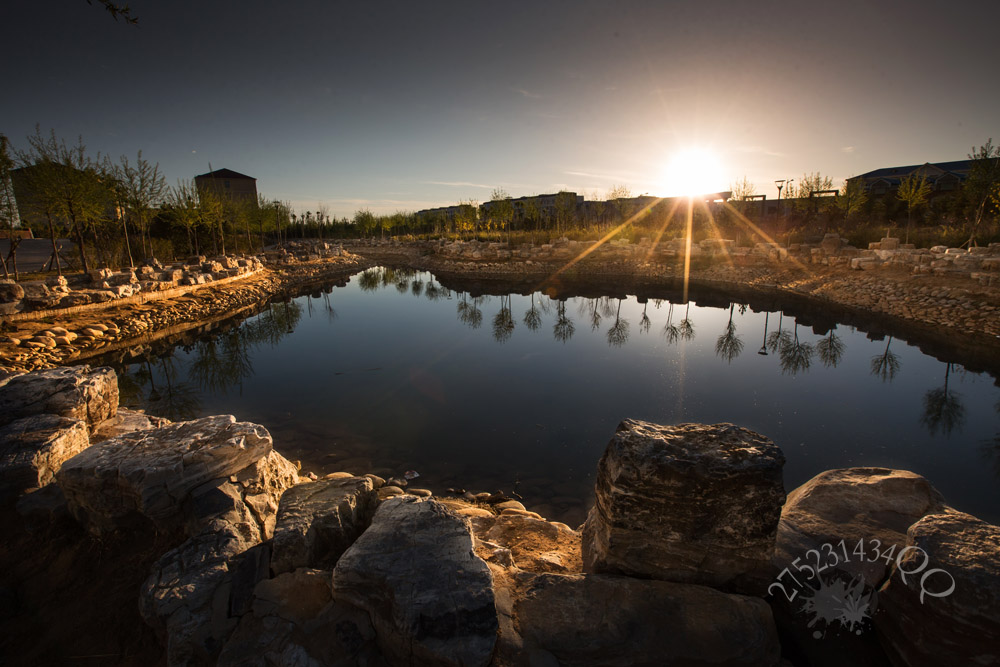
[[429, 596], [152, 473], [294, 621], [318, 521], [197, 592], [77, 392], [32, 449], [612, 620], [854, 505], [920, 621], [689, 503]]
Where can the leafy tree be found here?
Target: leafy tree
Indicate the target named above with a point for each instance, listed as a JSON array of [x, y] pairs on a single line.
[[71, 181], [142, 186], [795, 355], [619, 196], [983, 183], [913, 190], [532, 319], [364, 220], [742, 192], [8, 207], [502, 209], [118, 10], [564, 328], [183, 203], [565, 210], [852, 198], [503, 322]]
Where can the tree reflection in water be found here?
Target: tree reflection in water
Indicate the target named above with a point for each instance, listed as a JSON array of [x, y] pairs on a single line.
[[943, 408], [469, 312], [671, 331], [644, 321], [887, 364], [729, 345], [532, 318], [780, 338], [564, 328], [831, 349], [686, 325], [795, 356], [503, 322], [990, 449], [618, 333]]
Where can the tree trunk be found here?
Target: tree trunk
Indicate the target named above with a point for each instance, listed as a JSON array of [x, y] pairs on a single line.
[[55, 245], [79, 239], [128, 246]]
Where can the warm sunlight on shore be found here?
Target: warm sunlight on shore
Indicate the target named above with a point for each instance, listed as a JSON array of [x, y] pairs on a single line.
[[692, 171]]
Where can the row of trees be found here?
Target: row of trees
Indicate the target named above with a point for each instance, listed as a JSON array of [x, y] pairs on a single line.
[[115, 211]]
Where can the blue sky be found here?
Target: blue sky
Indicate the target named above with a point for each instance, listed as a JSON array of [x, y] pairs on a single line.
[[401, 106]]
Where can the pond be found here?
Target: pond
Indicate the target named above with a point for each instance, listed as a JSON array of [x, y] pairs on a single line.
[[521, 392]]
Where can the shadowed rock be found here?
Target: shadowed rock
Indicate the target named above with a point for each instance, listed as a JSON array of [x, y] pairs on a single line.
[[688, 503], [429, 596], [920, 621], [318, 521], [610, 620]]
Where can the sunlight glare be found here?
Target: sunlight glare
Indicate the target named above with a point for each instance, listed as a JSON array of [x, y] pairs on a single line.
[[692, 171]]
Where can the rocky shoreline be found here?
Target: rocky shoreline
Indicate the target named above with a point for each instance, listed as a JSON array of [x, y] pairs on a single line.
[[963, 302], [692, 553], [942, 307]]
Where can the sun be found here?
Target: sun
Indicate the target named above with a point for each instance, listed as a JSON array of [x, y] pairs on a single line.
[[692, 171]]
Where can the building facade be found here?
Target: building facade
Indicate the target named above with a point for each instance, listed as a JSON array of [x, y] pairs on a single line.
[[228, 183]]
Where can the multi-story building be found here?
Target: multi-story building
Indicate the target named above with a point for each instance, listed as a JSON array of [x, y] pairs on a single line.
[[943, 177], [228, 183]]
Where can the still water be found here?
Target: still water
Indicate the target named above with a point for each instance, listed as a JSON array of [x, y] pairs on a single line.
[[520, 393]]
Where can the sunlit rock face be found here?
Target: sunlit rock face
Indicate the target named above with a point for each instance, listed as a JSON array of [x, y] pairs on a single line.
[[689, 503], [941, 604], [32, 450], [77, 392]]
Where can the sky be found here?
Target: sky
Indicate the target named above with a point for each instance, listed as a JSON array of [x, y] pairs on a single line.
[[410, 105]]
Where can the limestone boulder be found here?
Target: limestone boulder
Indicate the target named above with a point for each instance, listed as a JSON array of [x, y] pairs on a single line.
[[127, 421], [430, 598], [33, 449], [691, 503], [77, 392], [295, 622], [613, 620], [941, 604], [318, 521], [856, 506], [10, 291], [534, 544], [152, 473], [192, 597]]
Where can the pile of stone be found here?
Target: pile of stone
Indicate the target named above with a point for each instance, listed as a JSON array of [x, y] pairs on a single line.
[[675, 564], [304, 251], [104, 285]]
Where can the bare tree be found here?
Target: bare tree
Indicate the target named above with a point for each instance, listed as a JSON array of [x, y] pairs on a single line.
[[142, 187]]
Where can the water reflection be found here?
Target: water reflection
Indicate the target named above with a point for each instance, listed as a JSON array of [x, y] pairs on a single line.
[[795, 355], [561, 418], [618, 333], [564, 328], [943, 408], [831, 349], [729, 345], [887, 364]]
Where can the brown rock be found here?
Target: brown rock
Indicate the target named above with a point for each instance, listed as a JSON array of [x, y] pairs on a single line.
[[922, 620], [33, 449], [688, 503]]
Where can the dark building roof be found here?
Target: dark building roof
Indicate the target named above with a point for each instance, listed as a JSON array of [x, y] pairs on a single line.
[[897, 172], [225, 173]]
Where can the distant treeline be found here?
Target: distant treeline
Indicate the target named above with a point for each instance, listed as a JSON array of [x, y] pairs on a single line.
[[121, 212]]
